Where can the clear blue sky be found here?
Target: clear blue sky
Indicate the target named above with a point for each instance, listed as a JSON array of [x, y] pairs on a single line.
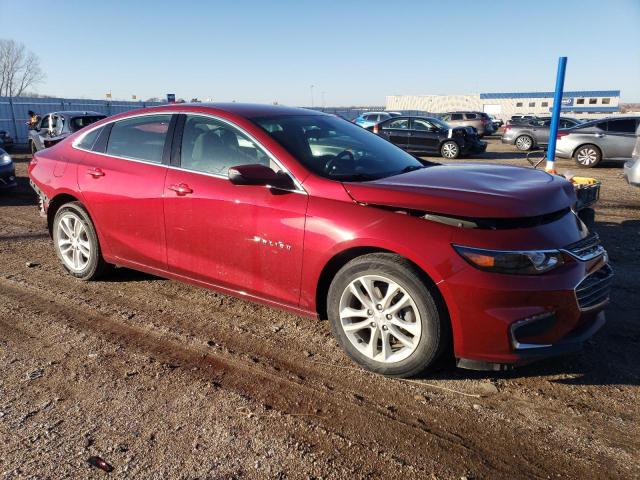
[[356, 51]]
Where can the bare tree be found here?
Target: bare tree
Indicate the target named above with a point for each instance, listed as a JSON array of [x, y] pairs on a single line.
[[19, 69]]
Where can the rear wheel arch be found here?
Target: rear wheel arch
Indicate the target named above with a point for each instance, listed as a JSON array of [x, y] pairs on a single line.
[[54, 205]]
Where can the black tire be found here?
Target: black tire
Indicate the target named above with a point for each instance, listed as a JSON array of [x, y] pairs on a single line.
[[526, 143], [434, 336], [587, 156], [450, 150], [96, 266]]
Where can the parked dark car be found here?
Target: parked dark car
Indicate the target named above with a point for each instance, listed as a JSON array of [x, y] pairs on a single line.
[[55, 126], [7, 171], [6, 140], [534, 133], [430, 135], [607, 139]]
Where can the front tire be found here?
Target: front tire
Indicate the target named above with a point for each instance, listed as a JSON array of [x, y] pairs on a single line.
[[524, 143], [450, 150], [76, 242], [587, 156], [384, 316]]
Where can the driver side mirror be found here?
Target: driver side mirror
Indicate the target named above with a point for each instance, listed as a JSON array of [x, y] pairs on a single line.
[[257, 174]]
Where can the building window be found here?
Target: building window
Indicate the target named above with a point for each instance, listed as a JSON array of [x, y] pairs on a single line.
[[545, 104], [580, 101], [593, 101], [519, 104], [532, 104], [606, 101]]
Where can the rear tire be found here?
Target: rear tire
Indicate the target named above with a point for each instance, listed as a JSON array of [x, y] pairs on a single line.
[[524, 143], [76, 243], [384, 316], [587, 156], [450, 150]]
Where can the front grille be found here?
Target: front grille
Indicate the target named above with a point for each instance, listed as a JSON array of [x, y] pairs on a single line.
[[586, 249], [594, 290]]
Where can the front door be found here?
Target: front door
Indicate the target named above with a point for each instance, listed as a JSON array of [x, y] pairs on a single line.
[[620, 138], [424, 136], [245, 238], [122, 181]]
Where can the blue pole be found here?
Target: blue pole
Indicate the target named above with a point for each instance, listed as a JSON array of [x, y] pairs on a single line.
[[555, 115]]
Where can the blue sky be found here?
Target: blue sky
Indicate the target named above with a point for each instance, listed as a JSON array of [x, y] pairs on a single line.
[[357, 52]]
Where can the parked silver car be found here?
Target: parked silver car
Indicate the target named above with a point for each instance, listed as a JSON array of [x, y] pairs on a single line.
[[55, 126], [478, 120], [534, 133], [632, 168], [606, 139]]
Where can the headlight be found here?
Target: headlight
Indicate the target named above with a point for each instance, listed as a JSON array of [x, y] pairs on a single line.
[[528, 262], [5, 159]]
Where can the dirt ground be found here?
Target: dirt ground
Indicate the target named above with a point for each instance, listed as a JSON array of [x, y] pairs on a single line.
[[164, 380]]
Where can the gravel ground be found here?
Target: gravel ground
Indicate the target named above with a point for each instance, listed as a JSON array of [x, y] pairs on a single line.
[[164, 380]]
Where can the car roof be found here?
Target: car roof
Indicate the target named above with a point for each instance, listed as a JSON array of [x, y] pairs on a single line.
[[76, 113], [248, 110]]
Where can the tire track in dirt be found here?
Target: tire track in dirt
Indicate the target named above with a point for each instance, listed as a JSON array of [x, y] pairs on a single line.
[[360, 423]]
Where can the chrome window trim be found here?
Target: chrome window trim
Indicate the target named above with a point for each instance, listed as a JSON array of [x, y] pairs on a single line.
[[74, 144]]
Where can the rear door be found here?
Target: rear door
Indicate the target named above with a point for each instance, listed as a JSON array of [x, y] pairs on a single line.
[[122, 179], [424, 135], [396, 130], [620, 138]]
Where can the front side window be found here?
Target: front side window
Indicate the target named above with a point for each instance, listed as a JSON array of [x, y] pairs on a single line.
[[424, 125], [140, 138], [456, 116], [211, 146], [335, 149], [471, 116]]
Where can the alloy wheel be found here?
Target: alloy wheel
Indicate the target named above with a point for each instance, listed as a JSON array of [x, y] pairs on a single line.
[[380, 319], [587, 156], [73, 242], [523, 143], [450, 150]]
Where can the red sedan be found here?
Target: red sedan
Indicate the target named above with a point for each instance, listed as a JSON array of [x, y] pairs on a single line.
[[307, 212]]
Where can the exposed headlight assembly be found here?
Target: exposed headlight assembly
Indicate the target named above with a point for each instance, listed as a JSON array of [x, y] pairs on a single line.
[[5, 159], [518, 262]]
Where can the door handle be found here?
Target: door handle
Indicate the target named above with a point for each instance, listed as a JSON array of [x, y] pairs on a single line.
[[181, 189], [95, 172]]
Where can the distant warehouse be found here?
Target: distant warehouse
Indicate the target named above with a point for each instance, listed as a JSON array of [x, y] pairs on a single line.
[[582, 104]]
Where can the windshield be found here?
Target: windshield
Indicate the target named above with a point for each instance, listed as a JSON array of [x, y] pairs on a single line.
[[336, 149], [76, 123]]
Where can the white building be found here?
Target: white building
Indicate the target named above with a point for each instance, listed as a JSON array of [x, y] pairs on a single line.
[[581, 104]]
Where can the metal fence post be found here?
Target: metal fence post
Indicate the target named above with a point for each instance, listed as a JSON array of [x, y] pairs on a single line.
[[13, 117]]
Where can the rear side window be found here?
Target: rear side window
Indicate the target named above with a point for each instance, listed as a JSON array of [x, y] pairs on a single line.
[[89, 140], [76, 123], [622, 126], [401, 123], [471, 116], [140, 138]]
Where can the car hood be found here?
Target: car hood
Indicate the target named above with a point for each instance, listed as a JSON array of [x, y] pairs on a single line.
[[469, 190]]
